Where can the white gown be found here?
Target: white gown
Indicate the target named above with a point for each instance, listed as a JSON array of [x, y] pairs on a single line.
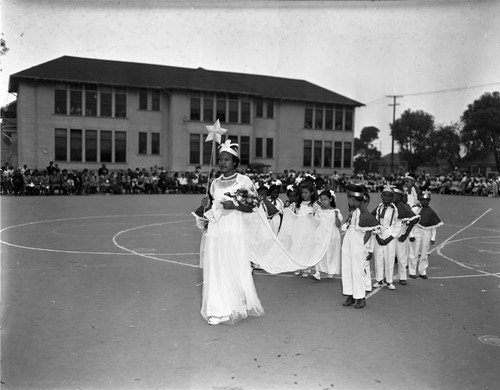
[[330, 263]]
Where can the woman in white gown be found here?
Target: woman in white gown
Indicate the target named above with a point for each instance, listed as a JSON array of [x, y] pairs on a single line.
[[229, 292]]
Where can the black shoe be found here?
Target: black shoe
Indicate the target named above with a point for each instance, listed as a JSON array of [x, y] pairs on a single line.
[[349, 301], [413, 276], [360, 303], [403, 282], [423, 276]]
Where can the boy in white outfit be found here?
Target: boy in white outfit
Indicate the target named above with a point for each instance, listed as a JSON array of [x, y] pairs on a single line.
[[385, 246], [424, 235]]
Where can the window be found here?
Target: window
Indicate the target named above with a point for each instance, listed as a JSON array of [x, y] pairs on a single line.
[[347, 154], [106, 102], [258, 147], [245, 112], [194, 148], [195, 114], [348, 120], [339, 118], [221, 109], [75, 99], [318, 118], [91, 145], [337, 155], [106, 146], [208, 109], [270, 109], [120, 103], [207, 152], [269, 148], [155, 100], [327, 154], [245, 149], [233, 109], [155, 143], [143, 143], [317, 153], [75, 145], [308, 119], [91, 100], [120, 146], [259, 108], [61, 145], [60, 101], [143, 99], [329, 118], [307, 153]]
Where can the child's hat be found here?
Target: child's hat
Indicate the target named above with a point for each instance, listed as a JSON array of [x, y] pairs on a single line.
[[398, 190], [229, 147], [425, 195], [408, 176], [388, 188]]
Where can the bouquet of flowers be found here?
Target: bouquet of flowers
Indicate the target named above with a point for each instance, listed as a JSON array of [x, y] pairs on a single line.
[[243, 197]]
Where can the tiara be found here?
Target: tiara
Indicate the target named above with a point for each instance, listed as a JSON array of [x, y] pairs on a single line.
[[229, 147]]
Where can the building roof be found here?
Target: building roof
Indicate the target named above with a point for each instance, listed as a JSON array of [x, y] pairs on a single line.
[[131, 74]]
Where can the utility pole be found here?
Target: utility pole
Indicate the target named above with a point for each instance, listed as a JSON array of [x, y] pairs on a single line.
[[394, 104]]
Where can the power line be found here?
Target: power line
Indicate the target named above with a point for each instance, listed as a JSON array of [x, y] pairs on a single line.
[[381, 99], [451, 89]]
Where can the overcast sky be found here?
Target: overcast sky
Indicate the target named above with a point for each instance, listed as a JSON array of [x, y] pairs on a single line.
[[440, 55]]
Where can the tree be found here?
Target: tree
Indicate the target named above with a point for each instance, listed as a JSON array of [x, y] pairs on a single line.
[[412, 132], [445, 144], [364, 150], [481, 126]]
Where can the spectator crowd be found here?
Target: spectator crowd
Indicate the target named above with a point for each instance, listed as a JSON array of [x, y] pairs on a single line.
[[52, 180]]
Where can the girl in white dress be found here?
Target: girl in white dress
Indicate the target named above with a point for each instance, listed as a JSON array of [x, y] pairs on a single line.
[[330, 263], [229, 292], [306, 206]]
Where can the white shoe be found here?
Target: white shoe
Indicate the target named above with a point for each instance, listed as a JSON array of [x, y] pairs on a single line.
[[296, 273], [378, 284], [391, 286], [329, 276], [217, 320], [316, 276]]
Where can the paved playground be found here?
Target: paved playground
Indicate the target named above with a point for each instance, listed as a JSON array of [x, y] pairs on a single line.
[[104, 292]]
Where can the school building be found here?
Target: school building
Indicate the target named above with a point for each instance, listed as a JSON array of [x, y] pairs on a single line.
[[82, 112]]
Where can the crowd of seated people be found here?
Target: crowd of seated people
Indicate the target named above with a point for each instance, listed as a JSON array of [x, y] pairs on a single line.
[[55, 181]]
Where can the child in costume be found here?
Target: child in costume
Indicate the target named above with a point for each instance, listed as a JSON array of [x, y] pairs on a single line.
[[370, 244], [274, 193], [386, 214], [358, 227], [424, 235], [306, 206], [408, 219], [330, 263]]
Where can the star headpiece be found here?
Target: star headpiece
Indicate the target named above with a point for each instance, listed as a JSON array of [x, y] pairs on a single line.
[[229, 147], [215, 132]]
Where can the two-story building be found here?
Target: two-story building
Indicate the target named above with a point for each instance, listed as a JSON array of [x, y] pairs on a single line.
[[81, 113]]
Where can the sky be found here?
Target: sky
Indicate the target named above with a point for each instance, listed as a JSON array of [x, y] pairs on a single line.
[[438, 56]]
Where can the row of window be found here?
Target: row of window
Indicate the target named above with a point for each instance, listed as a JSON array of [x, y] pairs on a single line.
[[91, 100], [327, 154], [77, 145], [328, 117]]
